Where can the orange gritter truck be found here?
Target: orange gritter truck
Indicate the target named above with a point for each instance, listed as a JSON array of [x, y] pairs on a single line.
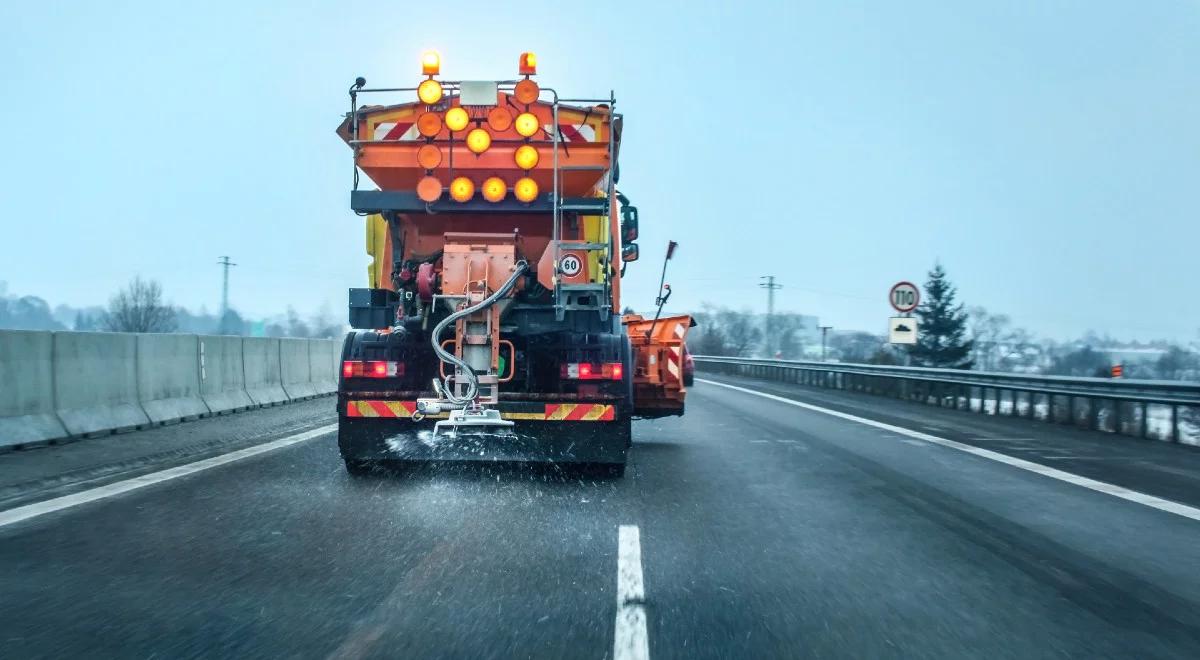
[[491, 329]]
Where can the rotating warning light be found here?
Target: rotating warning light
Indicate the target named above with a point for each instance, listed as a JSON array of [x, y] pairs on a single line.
[[457, 119], [525, 189], [528, 66], [431, 63], [526, 124], [462, 189], [478, 140], [526, 157], [527, 91], [429, 91], [429, 189], [494, 189]]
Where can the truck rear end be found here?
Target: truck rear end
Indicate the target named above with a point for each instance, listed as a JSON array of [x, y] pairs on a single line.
[[490, 329]]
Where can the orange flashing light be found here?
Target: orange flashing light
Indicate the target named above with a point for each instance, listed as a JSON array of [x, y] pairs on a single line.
[[526, 157], [499, 119], [526, 124], [429, 156], [457, 119], [429, 91], [429, 124], [525, 189], [494, 189], [462, 189], [431, 63], [478, 140], [528, 65], [527, 91], [429, 189]]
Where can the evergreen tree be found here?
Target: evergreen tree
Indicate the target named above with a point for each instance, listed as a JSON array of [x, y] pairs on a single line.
[[942, 331]]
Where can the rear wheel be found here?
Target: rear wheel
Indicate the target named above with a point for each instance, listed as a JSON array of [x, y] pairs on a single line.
[[349, 446]]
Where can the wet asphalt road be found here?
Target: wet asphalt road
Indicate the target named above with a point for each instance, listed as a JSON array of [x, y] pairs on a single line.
[[766, 531]]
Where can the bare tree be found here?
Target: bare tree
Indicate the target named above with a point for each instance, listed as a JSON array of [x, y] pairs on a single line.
[[296, 327], [139, 307], [322, 324], [741, 331], [789, 331], [723, 331]]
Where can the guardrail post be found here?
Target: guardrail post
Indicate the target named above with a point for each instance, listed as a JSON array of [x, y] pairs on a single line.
[[1143, 422], [1174, 423], [1116, 408]]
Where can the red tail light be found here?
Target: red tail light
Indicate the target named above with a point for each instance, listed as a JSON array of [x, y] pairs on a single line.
[[372, 369], [591, 371]]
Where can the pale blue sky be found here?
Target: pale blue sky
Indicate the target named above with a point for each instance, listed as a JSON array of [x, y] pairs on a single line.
[[1047, 152]]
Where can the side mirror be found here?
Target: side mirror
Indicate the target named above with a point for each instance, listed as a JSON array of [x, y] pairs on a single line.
[[629, 252], [629, 224]]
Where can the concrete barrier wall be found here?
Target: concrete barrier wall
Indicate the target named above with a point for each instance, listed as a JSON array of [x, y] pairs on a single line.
[[264, 385], [296, 368], [56, 385], [168, 377], [27, 389], [223, 374], [320, 364], [95, 382]]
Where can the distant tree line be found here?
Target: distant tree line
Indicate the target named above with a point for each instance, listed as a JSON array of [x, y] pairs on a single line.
[[140, 306]]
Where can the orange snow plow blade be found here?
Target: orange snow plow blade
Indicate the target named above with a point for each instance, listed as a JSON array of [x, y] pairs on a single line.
[[658, 349]]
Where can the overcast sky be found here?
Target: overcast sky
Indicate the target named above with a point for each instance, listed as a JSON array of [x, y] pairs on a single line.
[[1048, 153]]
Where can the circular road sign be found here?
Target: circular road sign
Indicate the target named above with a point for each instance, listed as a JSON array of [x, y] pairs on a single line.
[[571, 265], [904, 297]]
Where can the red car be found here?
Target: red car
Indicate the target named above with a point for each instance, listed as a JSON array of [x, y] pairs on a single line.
[[689, 368]]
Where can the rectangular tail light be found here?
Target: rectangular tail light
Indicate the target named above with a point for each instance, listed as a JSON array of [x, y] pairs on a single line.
[[593, 371], [372, 369]]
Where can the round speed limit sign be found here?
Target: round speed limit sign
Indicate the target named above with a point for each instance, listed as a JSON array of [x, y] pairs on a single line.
[[570, 265], [904, 297]]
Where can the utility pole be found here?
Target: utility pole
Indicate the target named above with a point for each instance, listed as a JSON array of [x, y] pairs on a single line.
[[225, 263], [824, 333], [771, 287]]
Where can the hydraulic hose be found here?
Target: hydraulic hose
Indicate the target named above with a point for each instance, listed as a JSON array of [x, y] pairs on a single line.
[[448, 357]]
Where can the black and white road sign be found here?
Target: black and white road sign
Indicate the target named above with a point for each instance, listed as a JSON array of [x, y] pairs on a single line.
[[902, 330], [570, 265], [904, 297]]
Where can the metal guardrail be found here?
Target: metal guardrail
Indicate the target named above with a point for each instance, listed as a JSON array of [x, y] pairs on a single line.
[[1115, 406]]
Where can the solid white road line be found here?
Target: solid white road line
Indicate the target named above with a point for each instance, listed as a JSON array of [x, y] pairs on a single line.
[[629, 640], [36, 509], [1037, 468]]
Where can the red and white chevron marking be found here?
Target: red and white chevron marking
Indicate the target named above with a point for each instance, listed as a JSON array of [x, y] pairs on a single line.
[[392, 130]]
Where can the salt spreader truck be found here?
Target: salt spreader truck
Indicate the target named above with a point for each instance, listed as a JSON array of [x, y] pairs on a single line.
[[491, 329]]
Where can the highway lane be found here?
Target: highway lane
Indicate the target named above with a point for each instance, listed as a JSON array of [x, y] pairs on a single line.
[[765, 531]]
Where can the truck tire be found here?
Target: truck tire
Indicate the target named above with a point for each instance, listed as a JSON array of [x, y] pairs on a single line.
[[355, 464]]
